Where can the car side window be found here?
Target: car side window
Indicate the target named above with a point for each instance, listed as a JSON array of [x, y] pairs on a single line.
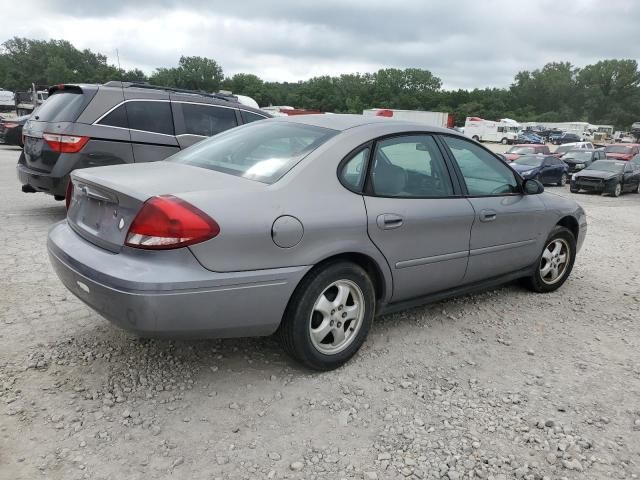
[[410, 166], [206, 120], [248, 117], [354, 170], [483, 174], [116, 118], [152, 117]]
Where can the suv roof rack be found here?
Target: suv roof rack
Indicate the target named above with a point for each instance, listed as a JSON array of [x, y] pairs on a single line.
[[219, 96]]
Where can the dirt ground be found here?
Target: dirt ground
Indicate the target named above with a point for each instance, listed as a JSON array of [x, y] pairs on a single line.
[[499, 385]]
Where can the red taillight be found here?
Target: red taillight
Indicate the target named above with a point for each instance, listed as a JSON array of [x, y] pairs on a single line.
[[166, 222], [68, 194], [65, 143]]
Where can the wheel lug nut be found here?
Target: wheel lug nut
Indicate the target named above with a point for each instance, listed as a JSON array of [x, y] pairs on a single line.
[[344, 314], [333, 311], [340, 307], [339, 324], [331, 323]]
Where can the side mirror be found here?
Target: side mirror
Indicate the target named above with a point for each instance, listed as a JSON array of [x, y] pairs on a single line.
[[532, 187]]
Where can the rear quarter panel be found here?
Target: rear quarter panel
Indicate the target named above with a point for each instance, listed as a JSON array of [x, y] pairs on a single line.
[[334, 219]]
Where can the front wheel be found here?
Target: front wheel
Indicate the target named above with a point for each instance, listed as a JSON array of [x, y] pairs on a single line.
[[555, 262], [504, 141], [329, 316], [617, 190], [563, 180]]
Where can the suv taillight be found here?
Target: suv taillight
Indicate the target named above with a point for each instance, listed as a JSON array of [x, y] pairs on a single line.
[[166, 222], [65, 143]]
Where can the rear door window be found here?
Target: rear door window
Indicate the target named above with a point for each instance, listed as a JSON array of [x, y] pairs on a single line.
[[62, 107], [205, 120], [248, 117], [151, 116]]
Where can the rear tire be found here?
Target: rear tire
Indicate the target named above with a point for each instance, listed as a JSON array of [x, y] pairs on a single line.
[[504, 141], [574, 190], [476, 138], [329, 316], [558, 256]]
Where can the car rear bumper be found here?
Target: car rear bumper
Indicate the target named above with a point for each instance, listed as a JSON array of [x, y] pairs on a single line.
[[42, 181], [168, 293]]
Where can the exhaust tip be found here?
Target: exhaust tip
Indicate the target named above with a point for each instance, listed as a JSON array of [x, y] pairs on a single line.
[[28, 189]]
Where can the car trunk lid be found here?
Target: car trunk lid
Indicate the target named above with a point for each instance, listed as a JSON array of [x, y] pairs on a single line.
[[106, 200]]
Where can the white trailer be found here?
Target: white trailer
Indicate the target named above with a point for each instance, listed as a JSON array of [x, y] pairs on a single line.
[[435, 119], [7, 101], [504, 131]]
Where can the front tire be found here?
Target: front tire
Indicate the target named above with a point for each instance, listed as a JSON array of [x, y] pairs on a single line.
[[329, 316], [555, 262], [563, 180], [504, 141], [617, 190]]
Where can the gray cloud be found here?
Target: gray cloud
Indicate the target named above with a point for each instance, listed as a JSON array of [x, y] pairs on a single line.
[[466, 43]]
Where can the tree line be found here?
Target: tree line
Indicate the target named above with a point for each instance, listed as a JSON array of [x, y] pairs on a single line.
[[606, 92]]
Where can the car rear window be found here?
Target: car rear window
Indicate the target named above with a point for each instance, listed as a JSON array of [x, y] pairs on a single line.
[[62, 107], [262, 151]]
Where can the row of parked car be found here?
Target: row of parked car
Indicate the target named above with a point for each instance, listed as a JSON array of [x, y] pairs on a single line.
[[613, 169]]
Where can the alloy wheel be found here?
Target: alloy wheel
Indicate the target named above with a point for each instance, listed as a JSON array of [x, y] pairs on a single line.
[[618, 190], [554, 261], [336, 317], [563, 180]]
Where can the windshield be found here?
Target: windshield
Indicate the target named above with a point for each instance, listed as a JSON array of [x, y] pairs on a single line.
[[577, 155], [521, 150], [61, 107], [607, 166], [262, 151], [563, 148], [529, 160], [617, 149]]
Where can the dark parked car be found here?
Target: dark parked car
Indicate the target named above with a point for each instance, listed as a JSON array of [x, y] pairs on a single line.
[[11, 130], [548, 133], [544, 168], [565, 138], [611, 177], [576, 160], [95, 125], [528, 136]]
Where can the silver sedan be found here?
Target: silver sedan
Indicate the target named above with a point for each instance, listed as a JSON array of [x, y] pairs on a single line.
[[307, 227]]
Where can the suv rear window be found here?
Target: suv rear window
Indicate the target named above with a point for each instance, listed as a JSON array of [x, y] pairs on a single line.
[[62, 107], [262, 151]]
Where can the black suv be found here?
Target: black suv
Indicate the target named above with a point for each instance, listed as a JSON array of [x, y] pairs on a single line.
[[83, 126]]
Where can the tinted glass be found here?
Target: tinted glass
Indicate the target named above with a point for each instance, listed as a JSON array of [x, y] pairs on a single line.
[[483, 173], [606, 166], [117, 118], [61, 107], [520, 150], [410, 166], [618, 149], [262, 151], [248, 117], [150, 116], [353, 172], [530, 160], [205, 120]]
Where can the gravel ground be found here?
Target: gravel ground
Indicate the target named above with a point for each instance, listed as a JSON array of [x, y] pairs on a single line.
[[499, 385]]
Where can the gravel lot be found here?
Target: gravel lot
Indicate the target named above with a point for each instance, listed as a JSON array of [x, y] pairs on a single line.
[[503, 384]]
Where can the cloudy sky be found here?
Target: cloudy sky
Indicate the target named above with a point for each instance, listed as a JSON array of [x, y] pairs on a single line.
[[467, 43]]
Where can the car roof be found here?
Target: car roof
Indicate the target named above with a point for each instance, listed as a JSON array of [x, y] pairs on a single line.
[[342, 122]]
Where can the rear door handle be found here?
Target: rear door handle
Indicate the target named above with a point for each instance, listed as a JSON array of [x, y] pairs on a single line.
[[488, 215], [387, 221]]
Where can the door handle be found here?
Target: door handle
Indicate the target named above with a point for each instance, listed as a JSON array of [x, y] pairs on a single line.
[[488, 215], [387, 221]]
